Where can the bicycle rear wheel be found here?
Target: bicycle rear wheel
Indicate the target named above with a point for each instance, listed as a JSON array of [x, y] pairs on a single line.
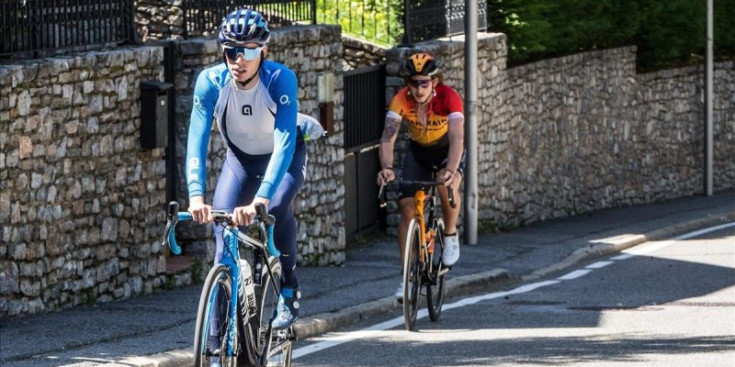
[[411, 274], [273, 344], [435, 292], [213, 320]]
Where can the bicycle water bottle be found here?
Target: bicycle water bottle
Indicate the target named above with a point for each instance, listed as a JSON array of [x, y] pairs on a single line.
[[246, 278], [258, 270]]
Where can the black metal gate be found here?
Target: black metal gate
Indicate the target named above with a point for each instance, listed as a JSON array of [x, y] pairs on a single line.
[[364, 116]]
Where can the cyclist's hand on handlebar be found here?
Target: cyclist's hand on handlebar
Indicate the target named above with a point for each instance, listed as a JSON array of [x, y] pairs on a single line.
[[448, 177], [386, 175], [244, 215], [200, 212]]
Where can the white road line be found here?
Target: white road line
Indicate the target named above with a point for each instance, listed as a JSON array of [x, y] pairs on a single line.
[[575, 274], [333, 341], [598, 265], [622, 257], [341, 338], [653, 246]]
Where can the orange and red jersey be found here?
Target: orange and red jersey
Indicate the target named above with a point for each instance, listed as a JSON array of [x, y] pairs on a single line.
[[445, 104]]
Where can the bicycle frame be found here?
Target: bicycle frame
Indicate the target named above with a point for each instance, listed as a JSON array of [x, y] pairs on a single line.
[[231, 260], [419, 197]]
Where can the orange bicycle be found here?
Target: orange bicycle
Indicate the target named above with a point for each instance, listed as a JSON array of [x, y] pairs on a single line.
[[422, 258]]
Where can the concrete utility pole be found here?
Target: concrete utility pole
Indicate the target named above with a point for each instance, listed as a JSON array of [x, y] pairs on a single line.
[[708, 104], [470, 123]]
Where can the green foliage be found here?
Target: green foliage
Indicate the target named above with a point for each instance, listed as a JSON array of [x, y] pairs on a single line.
[[667, 32], [378, 21], [490, 226], [197, 271], [90, 296], [724, 29], [169, 284]]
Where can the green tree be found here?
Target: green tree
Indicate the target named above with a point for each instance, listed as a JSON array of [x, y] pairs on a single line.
[[667, 32]]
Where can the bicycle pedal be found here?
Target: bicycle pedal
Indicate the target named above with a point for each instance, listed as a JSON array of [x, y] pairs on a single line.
[[280, 334]]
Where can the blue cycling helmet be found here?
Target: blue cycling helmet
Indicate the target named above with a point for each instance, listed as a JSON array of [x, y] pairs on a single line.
[[244, 26]]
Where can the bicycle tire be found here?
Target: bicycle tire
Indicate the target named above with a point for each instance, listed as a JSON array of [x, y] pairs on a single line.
[[269, 341], [411, 275], [435, 293], [218, 284]]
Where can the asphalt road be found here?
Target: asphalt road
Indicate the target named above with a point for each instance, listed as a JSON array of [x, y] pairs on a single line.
[[668, 303]]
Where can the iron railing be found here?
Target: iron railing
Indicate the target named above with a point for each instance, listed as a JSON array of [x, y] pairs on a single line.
[[203, 17], [379, 21], [431, 19], [364, 106], [34, 28], [384, 21]]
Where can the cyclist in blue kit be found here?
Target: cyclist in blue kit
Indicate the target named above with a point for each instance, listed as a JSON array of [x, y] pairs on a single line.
[[253, 101]]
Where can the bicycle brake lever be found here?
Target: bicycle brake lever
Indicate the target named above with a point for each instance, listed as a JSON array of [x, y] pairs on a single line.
[[450, 192], [381, 196], [172, 217], [262, 213]]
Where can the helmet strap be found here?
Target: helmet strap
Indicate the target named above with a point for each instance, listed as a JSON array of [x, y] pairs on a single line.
[[428, 100]]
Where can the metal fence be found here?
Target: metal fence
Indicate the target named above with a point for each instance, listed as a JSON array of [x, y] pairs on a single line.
[[364, 115], [379, 21], [33, 28], [203, 17], [383, 21], [364, 106], [431, 19]]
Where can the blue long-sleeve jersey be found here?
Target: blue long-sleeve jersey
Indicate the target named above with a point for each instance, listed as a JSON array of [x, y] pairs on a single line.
[[257, 121]]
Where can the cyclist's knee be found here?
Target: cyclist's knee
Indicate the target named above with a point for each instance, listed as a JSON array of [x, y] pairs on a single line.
[[280, 210], [407, 206]]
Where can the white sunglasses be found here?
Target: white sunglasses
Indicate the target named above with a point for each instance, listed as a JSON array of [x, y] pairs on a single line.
[[246, 52]]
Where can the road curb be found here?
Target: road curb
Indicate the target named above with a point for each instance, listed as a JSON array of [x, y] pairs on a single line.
[[621, 243], [322, 323]]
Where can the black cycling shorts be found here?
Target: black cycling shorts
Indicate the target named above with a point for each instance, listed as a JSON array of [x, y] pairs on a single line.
[[421, 163]]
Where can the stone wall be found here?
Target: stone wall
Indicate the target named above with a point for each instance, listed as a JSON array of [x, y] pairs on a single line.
[[159, 19], [82, 205], [164, 19], [308, 50], [80, 201], [584, 132], [359, 53]]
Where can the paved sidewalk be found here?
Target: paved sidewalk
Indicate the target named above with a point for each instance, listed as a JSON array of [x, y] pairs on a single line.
[[157, 330]]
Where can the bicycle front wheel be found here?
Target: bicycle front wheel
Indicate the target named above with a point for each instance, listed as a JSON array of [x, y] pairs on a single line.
[[213, 321], [274, 346], [435, 289], [411, 274]]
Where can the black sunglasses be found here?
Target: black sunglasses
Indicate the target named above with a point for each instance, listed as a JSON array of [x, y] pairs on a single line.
[[419, 83]]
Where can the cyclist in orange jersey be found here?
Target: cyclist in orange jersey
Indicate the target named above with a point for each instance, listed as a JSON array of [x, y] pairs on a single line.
[[434, 115]]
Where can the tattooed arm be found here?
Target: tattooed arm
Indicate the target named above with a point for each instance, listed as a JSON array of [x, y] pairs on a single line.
[[390, 132]]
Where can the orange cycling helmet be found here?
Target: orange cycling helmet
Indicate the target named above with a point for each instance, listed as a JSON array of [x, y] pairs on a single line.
[[421, 63]]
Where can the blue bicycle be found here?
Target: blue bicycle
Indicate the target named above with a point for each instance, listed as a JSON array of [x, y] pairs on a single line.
[[234, 328]]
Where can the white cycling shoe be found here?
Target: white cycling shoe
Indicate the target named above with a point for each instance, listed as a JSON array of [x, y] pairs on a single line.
[[450, 255], [399, 293]]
